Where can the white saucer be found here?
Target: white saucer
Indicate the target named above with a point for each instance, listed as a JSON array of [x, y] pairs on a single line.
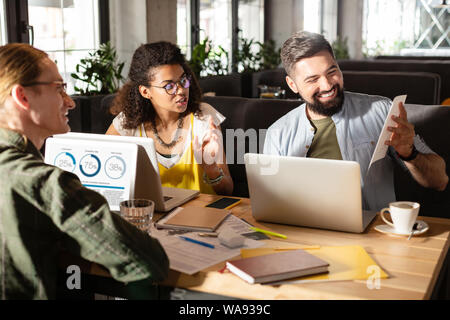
[[384, 228]]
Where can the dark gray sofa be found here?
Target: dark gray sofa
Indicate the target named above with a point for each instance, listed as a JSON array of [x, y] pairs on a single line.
[[440, 67], [92, 114], [424, 81], [388, 57], [431, 122], [255, 115], [234, 85], [421, 87]]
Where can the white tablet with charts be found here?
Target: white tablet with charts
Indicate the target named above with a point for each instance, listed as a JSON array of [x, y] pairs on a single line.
[[148, 183], [109, 168]]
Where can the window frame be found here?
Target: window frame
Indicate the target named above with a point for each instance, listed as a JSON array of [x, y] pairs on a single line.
[[18, 28], [195, 28], [17, 21]]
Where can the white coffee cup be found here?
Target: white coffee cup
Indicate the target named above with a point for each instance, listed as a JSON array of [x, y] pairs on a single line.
[[403, 215]]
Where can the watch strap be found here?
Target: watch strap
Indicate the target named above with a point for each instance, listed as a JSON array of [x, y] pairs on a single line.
[[412, 156]]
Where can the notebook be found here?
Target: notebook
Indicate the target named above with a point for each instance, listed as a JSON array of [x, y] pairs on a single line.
[[277, 266], [194, 219], [346, 262]]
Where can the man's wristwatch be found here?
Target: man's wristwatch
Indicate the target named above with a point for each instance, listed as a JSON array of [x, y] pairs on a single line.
[[412, 156]]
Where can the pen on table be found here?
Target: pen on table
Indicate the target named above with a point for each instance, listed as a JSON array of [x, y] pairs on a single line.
[[270, 233], [205, 244]]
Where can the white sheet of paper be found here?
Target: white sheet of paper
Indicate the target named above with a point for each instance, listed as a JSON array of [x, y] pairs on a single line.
[[381, 148], [190, 258]]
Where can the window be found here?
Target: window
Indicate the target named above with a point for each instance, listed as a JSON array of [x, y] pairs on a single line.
[[215, 22], [67, 30], [320, 16], [2, 23], [183, 27], [251, 19], [410, 27], [312, 16], [219, 21]]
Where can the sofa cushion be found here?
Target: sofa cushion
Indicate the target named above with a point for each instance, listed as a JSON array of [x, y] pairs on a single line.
[[431, 123], [440, 67], [91, 114], [387, 57], [244, 130], [421, 87], [75, 116], [272, 78], [227, 85]]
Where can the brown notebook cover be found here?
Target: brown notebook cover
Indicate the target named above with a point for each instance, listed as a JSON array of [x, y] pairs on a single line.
[[277, 266], [197, 218]]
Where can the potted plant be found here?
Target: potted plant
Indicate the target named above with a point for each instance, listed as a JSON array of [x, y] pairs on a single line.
[[247, 58], [100, 74], [340, 48], [207, 60], [210, 64], [253, 56], [270, 55]]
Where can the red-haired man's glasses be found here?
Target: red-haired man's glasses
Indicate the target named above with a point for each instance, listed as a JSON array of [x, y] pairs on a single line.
[[60, 84]]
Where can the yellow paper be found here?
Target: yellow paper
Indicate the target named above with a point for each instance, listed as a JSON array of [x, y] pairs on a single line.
[[346, 262]]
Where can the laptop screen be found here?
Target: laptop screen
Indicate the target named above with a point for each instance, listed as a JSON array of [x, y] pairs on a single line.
[[146, 182], [108, 168]]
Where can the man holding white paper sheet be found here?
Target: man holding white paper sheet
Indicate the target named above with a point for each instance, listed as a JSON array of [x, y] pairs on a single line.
[[334, 124]]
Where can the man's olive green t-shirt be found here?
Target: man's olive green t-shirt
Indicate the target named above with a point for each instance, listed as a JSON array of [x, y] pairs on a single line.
[[325, 144]]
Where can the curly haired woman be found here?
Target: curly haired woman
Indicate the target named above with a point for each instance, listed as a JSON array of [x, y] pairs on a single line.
[[161, 100]]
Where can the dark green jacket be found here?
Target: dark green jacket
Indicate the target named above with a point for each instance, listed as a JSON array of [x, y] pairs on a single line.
[[44, 209]]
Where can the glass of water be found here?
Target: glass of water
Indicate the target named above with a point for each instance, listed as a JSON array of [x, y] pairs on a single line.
[[138, 212]]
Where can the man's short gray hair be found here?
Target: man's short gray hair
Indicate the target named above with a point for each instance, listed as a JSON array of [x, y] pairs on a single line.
[[303, 44]]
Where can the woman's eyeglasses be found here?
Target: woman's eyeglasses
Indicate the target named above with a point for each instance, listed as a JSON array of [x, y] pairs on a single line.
[[60, 84], [172, 87]]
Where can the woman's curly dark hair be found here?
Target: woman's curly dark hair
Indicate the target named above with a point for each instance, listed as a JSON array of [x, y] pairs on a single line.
[[135, 107]]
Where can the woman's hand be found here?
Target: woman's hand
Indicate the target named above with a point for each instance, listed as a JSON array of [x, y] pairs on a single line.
[[211, 157], [210, 152]]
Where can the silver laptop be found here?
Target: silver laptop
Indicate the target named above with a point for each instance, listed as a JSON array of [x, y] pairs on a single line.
[[148, 182], [308, 192]]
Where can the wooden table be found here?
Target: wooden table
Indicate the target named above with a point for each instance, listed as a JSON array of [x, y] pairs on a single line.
[[413, 266]]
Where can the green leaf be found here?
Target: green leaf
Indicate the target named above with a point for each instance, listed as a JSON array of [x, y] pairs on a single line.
[[99, 70]]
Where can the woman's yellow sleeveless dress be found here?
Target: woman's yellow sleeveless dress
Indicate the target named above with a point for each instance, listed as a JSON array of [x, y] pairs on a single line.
[[187, 173]]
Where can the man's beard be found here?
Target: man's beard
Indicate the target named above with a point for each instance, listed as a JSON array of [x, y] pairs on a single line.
[[329, 108]]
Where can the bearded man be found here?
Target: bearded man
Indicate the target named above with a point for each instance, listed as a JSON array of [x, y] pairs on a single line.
[[336, 124]]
